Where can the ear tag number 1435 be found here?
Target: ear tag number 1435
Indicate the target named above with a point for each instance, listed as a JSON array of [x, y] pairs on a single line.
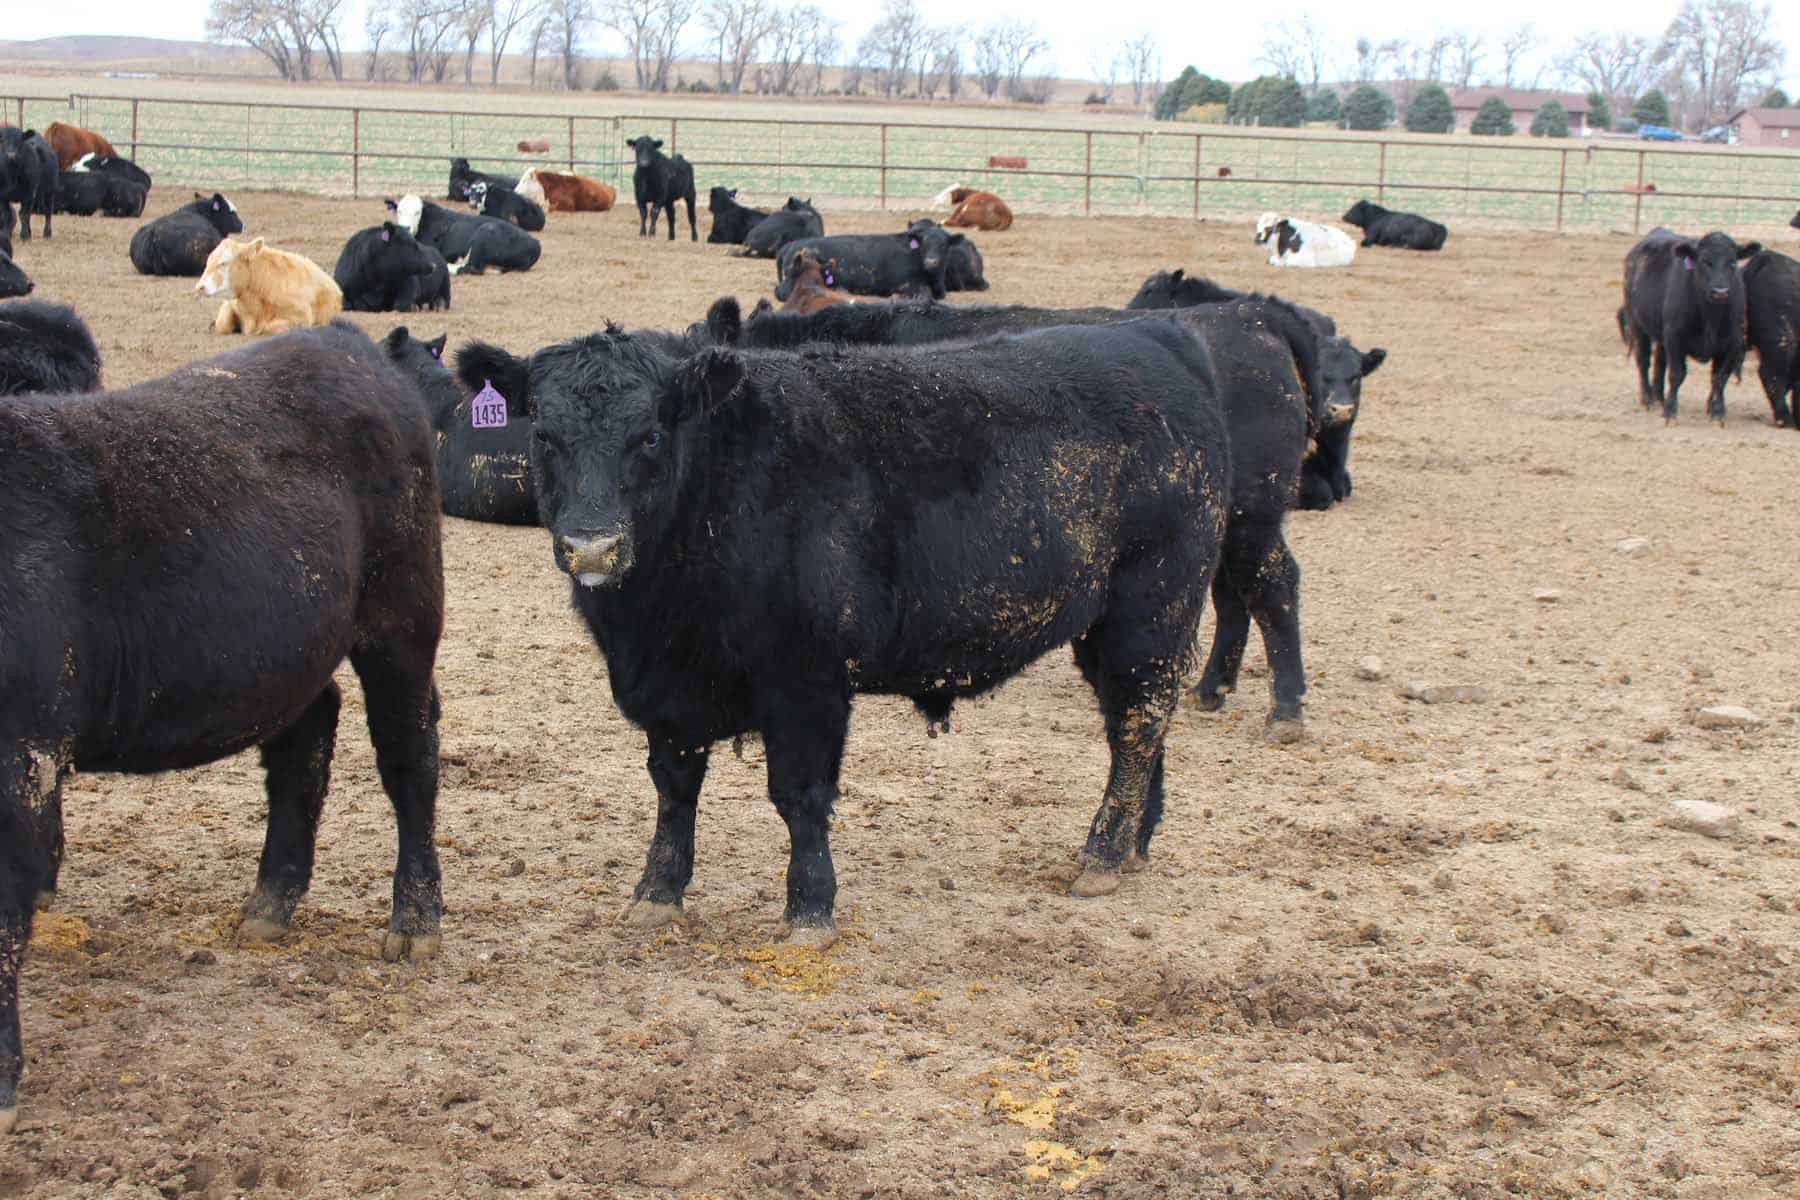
[[488, 409]]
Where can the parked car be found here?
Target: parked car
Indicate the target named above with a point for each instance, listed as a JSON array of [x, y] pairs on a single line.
[[1659, 133], [1720, 135]]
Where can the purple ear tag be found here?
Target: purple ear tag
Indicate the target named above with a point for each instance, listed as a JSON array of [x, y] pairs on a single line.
[[1687, 264], [829, 281], [913, 242], [437, 352], [385, 235], [488, 409]]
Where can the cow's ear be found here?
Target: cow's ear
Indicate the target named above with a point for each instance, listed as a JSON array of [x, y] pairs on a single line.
[[393, 205], [1175, 276], [957, 239], [253, 246], [656, 143], [29, 133], [436, 346], [724, 321], [1748, 249], [1373, 359], [763, 308], [482, 363], [706, 382], [396, 338], [1685, 250]]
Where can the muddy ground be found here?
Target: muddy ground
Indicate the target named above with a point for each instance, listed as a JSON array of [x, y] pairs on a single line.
[[1432, 950]]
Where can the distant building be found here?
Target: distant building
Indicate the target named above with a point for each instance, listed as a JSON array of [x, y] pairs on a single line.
[[1524, 105], [1778, 127]]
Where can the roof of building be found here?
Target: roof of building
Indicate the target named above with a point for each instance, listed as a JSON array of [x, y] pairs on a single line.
[[1770, 118], [1520, 99]]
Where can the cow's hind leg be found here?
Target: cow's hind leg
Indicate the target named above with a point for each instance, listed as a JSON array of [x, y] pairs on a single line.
[[677, 773], [1776, 385], [403, 716], [669, 211], [803, 737], [297, 762], [1231, 633], [29, 783], [693, 229], [1641, 354]]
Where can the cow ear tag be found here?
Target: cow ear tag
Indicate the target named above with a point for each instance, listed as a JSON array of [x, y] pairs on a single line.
[[1687, 264], [488, 409], [385, 235], [829, 280], [913, 243]]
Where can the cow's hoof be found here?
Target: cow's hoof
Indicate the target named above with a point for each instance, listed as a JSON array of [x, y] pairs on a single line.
[[1284, 731], [419, 947], [9, 1120], [649, 914], [1139, 861], [812, 937], [260, 929], [1095, 881], [1210, 699]]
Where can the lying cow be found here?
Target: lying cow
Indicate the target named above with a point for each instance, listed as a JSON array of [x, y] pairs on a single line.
[[961, 260], [462, 176], [256, 519], [971, 209], [386, 269], [505, 205], [84, 193], [1296, 243], [731, 221], [266, 290], [1267, 362], [46, 348], [1772, 304], [659, 181], [1684, 299], [1177, 289], [557, 192], [469, 243], [814, 286], [484, 474], [28, 175], [103, 164], [740, 550], [179, 243], [1325, 473], [919, 261], [793, 221], [72, 142], [1382, 227]]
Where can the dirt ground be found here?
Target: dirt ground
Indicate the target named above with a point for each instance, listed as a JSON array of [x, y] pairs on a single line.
[[1446, 950]]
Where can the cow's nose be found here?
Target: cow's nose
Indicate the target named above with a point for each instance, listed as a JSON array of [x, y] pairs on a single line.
[[1720, 293]]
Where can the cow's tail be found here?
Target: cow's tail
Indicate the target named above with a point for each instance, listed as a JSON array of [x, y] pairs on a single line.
[[1624, 318], [1287, 323]]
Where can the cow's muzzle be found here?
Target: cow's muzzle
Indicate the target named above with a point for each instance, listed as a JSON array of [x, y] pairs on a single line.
[[1340, 414], [592, 558], [1718, 295]]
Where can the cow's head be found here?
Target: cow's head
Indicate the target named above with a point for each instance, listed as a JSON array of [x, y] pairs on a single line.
[[423, 363], [221, 212], [1342, 368], [406, 212], [796, 204], [13, 280], [721, 199], [395, 251], [226, 265], [1265, 227], [1713, 261], [602, 454], [1361, 213], [646, 148], [933, 244], [1796, 221], [478, 194]]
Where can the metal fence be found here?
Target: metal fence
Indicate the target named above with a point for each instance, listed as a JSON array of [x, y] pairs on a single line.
[[1158, 171]]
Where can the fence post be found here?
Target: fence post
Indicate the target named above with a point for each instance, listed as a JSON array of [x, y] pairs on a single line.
[[1637, 203], [884, 129], [356, 152], [134, 129], [1087, 179], [571, 145], [1381, 177], [674, 136], [1198, 138], [1562, 182]]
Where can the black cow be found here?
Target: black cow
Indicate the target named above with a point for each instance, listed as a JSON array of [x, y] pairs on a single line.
[[793, 221], [1684, 299], [178, 243], [1267, 356], [963, 269], [504, 204], [257, 518], [13, 281], [1178, 289], [462, 176], [386, 269], [84, 193], [1383, 227], [470, 243], [755, 537], [28, 173], [659, 181], [919, 261], [108, 164], [1772, 309], [1796, 221], [731, 221], [46, 348], [1325, 474], [483, 474]]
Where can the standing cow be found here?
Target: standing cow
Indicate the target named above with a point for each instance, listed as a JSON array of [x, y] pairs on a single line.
[[1772, 303], [28, 175], [756, 537], [1684, 299], [659, 181], [257, 519]]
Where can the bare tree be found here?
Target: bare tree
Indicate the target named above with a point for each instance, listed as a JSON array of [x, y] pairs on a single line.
[[505, 18], [378, 23], [890, 48], [471, 18], [671, 17], [784, 60], [635, 21], [540, 36], [1725, 52], [821, 45], [1373, 59], [990, 61], [947, 62], [1514, 48], [1020, 42], [1620, 66], [568, 20], [1106, 66], [1296, 49], [1143, 65], [1465, 57], [738, 28], [260, 26]]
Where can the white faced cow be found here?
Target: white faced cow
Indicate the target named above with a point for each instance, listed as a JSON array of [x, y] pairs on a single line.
[[1294, 243]]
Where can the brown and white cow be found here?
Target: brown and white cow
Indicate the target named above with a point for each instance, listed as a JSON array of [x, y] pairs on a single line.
[[72, 141], [971, 209], [557, 192]]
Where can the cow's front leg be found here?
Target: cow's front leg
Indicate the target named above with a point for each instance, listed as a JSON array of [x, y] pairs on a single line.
[[804, 739], [1715, 397], [677, 771]]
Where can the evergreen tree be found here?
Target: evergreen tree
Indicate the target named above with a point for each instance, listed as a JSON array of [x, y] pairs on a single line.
[[1652, 108], [1188, 89], [1775, 99], [1495, 118], [1430, 111], [1599, 111], [1324, 106], [1552, 120], [1368, 108], [1268, 100]]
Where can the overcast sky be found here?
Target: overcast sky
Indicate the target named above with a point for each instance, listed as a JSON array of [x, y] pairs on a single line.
[[1219, 39]]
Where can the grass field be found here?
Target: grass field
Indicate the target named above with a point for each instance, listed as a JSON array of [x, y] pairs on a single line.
[[249, 136]]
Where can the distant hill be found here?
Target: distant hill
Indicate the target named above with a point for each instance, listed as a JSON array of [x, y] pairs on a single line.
[[106, 48]]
